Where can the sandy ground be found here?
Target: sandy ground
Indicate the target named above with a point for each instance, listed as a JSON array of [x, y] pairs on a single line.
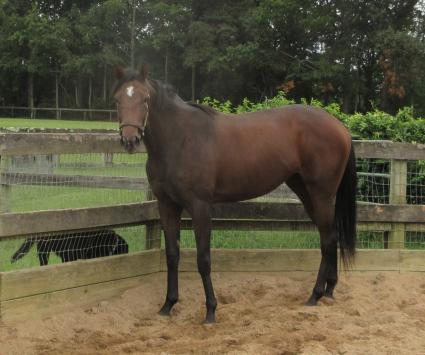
[[261, 313]]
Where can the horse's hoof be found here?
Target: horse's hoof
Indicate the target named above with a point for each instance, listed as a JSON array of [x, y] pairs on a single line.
[[312, 301], [165, 311], [209, 321], [210, 317], [329, 295]]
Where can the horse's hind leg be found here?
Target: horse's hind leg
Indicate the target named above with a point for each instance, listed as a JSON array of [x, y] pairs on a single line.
[[321, 211], [324, 211], [296, 184]]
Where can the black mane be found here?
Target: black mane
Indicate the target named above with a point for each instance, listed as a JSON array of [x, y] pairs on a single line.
[[163, 92], [208, 110]]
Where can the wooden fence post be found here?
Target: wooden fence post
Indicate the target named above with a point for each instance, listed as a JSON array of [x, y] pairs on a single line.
[[108, 159], [153, 229], [5, 191], [398, 192]]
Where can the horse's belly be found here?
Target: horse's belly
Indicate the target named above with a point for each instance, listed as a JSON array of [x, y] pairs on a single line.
[[246, 186], [254, 157]]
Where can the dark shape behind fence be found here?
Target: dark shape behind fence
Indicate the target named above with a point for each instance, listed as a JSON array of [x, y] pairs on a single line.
[[74, 246]]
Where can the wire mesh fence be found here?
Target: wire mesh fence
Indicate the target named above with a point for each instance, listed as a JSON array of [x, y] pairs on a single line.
[[53, 248], [373, 184], [416, 182], [43, 182], [62, 181], [302, 239]]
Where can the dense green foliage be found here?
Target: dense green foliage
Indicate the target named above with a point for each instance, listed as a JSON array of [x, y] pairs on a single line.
[[359, 54]]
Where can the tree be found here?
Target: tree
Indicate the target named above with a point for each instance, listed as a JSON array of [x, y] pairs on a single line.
[[33, 44], [359, 53]]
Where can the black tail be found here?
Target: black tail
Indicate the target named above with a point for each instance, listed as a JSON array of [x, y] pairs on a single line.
[[345, 211], [23, 250]]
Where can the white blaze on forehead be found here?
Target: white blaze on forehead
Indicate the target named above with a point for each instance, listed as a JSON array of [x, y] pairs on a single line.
[[130, 91]]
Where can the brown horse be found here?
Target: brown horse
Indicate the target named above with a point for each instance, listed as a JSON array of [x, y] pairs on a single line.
[[197, 156]]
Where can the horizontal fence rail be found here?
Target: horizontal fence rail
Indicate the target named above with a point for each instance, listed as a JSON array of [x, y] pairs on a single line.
[[61, 143], [74, 143], [108, 182], [389, 150], [18, 224]]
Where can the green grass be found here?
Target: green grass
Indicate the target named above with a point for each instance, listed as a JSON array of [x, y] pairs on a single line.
[[38, 198], [34, 198], [234, 239], [14, 123]]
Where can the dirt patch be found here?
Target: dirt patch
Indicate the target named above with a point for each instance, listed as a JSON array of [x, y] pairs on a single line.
[[258, 313]]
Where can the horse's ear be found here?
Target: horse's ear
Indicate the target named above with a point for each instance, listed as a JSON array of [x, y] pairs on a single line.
[[119, 72], [143, 72]]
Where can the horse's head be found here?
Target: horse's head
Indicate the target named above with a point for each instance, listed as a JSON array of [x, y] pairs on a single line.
[[132, 95]]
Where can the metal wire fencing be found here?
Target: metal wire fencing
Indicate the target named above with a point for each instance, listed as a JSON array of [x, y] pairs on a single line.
[[43, 182], [53, 248]]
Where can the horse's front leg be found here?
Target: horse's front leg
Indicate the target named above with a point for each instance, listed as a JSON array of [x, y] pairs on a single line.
[[202, 226], [170, 215]]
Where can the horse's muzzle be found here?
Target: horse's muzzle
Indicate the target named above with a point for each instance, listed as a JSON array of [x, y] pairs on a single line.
[[131, 143]]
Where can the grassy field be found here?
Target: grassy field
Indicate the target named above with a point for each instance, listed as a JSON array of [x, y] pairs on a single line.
[[15, 123]]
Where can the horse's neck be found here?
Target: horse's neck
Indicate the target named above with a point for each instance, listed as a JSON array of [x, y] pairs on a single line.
[[171, 127], [164, 132]]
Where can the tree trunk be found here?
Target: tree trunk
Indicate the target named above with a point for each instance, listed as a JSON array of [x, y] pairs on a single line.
[[79, 90], [347, 86], [31, 94], [77, 101], [104, 83], [133, 30], [166, 65], [346, 101], [57, 94], [193, 81], [90, 95]]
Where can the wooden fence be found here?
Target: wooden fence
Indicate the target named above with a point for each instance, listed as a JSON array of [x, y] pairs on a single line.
[[34, 290], [394, 218]]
